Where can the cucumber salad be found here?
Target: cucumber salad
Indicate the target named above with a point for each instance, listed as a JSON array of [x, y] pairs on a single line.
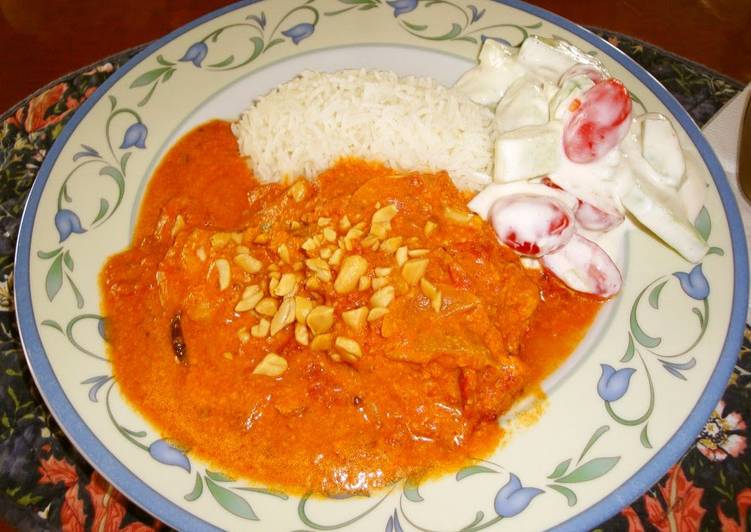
[[572, 159]]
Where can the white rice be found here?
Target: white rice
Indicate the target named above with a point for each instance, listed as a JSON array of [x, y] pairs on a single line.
[[305, 125]]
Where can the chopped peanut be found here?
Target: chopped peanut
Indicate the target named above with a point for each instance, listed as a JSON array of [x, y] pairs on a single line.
[[219, 240], [384, 214], [390, 245], [320, 268], [297, 191], [225, 275], [303, 306], [260, 329], [353, 267], [356, 318], [301, 334], [320, 319], [287, 285], [349, 348], [413, 270], [377, 313], [401, 255], [267, 306], [322, 342], [248, 263], [432, 293], [272, 365], [382, 297], [363, 283], [284, 316], [344, 223], [283, 252], [430, 226]]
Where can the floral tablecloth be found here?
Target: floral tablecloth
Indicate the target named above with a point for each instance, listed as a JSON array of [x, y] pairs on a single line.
[[45, 484]]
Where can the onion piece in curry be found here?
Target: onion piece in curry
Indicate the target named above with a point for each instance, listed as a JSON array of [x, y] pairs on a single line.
[[333, 336]]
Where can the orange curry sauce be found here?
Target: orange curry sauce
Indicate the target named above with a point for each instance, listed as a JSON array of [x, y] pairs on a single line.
[[408, 391]]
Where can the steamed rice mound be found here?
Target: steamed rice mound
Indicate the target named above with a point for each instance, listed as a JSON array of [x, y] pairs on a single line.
[[305, 125]]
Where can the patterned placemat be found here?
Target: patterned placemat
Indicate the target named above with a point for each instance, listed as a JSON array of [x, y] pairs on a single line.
[[45, 484]]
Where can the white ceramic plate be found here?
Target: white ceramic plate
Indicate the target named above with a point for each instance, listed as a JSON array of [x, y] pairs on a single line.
[[624, 408]]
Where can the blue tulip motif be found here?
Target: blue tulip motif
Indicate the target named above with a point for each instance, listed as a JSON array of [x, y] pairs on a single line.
[[476, 13], [195, 54], [67, 222], [512, 498], [163, 452], [613, 384], [393, 524], [135, 135], [299, 32], [694, 283], [402, 6]]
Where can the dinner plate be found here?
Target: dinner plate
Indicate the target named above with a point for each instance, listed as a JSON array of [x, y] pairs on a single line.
[[618, 414]]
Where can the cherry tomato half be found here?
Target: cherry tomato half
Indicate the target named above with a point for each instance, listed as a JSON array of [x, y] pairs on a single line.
[[599, 123], [532, 225]]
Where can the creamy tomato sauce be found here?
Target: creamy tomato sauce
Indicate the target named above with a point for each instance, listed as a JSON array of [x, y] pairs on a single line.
[[400, 372]]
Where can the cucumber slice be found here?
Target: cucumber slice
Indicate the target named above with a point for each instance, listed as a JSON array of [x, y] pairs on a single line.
[[665, 217], [550, 58], [527, 152], [486, 83], [571, 89], [524, 104], [662, 150]]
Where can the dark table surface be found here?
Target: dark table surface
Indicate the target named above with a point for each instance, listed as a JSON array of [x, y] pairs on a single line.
[[46, 484], [41, 40]]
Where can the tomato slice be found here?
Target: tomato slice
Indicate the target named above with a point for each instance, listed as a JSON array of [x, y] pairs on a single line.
[[584, 266], [532, 225], [599, 123]]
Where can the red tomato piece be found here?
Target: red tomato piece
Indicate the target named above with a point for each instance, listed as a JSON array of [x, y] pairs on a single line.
[[600, 122], [584, 266], [532, 225]]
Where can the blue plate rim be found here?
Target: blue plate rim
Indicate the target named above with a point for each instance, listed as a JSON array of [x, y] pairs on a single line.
[[150, 500]]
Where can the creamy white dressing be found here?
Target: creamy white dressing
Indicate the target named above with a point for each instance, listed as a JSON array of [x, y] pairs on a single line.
[[537, 92]]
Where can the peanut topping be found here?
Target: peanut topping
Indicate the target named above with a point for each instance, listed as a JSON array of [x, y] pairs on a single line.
[[219, 240], [384, 214], [356, 318], [301, 334], [353, 267], [430, 226], [267, 306], [297, 191], [287, 285], [303, 306], [349, 348], [320, 319], [382, 297], [431, 292], [320, 268], [284, 316], [401, 255], [223, 269], [260, 329], [390, 245], [363, 283], [272, 365], [248, 263], [322, 342], [413, 270], [377, 313]]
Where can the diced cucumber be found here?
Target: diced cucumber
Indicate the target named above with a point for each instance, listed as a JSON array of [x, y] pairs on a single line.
[[550, 58], [572, 88], [662, 150], [524, 104], [485, 199], [486, 83], [527, 152], [665, 217]]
